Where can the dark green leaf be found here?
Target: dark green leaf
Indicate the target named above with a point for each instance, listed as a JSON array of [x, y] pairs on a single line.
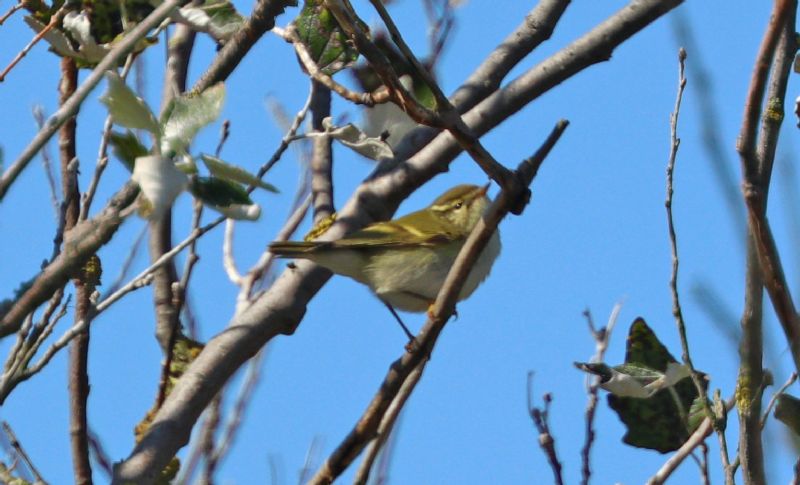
[[126, 148], [218, 192], [319, 31], [664, 421]]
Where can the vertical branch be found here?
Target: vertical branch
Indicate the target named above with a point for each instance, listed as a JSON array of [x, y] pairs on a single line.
[[160, 242], [546, 440], [677, 312], [322, 155], [757, 157], [601, 337], [79, 348]]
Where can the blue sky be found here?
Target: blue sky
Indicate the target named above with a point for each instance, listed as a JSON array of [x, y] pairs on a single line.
[[594, 234]]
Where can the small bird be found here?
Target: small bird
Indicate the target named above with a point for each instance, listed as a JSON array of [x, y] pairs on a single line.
[[406, 260]]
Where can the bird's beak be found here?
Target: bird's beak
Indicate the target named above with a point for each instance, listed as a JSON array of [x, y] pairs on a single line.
[[484, 189]]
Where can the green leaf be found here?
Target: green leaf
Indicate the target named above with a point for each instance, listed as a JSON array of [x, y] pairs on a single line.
[[218, 192], [329, 46], [127, 109], [126, 147], [188, 115], [787, 411], [232, 173], [664, 421]]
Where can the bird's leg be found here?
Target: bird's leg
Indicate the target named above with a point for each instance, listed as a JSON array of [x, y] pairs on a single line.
[[411, 340]]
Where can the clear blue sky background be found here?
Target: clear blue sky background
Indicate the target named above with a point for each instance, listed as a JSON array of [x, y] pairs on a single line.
[[594, 234]]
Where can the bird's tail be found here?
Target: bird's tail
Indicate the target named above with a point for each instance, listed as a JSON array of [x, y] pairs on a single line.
[[293, 249]]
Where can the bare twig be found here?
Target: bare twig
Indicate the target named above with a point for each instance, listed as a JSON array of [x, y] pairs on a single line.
[[546, 440], [206, 443], [224, 133], [311, 456], [287, 138], [55, 19], [47, 163], [70, 108], [601, 337], [11, 11], [236, 415], [673, 284], [100, 455], [774, 399], [228, 261], [445, 116]]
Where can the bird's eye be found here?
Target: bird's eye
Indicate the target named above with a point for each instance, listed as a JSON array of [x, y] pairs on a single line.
[[458, 205]]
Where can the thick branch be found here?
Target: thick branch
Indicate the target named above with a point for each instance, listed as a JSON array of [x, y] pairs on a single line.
[[260, 21], [82, 242]]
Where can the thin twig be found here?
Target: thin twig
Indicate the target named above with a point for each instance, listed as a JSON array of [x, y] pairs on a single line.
[[47, 163], [445, 116], [11, 12], [287, 138], [236, 415], [601, 337], [228, 261], [677, 312], [224, 133], [54, 20], [546, 440], [774, 398]]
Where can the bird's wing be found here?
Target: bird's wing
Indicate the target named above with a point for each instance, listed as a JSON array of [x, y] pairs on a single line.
[[427, 230]]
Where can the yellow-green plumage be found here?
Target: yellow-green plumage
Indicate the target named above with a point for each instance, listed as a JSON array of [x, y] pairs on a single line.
[[405, 261]]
